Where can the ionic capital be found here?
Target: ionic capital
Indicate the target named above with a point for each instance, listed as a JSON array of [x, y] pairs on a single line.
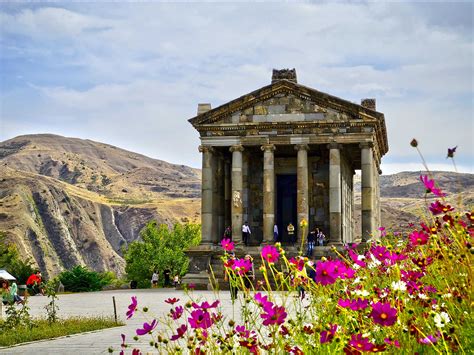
[[366, 145], [334, 146], [301, 147], [236, 148], [206, 149], [268, 147]]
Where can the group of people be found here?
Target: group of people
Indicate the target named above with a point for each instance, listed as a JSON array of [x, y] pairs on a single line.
[[167, 281]]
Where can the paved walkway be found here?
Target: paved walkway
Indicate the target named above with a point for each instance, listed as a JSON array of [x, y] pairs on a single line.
[[100, 304]]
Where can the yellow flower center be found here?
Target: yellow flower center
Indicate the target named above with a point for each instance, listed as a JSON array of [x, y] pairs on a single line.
[[383, 316]]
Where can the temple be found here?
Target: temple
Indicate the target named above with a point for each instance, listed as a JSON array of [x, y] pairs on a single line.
[[282, 154]]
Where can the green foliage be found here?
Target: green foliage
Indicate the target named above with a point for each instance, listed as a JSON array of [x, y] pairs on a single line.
[[13, 262], [17, 318], [161, 248], [51, 308], [80, 279]]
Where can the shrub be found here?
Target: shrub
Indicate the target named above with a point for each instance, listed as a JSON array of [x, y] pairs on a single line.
[[11, 261], [80, 279]]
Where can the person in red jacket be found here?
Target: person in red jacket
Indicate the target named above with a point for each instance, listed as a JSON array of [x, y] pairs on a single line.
[[34, 284]]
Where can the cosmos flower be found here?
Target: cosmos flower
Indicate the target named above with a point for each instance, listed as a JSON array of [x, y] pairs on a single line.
[[132, 307], [227, 244], [430, 186], [273, 315], [181, 331], [383, 314], [399, 286], [262, 301], [355, 305], [177, 312], [438, 208], [242, 266], [147, 327], [441, 319], [205, 305], [270, 253], [418, 238], [360, 343], [200, 319], [380, 252], [172, 300], [327, 336], [325, 273], [451, 152]]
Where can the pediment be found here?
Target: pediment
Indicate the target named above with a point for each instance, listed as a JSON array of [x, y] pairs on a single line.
[[283, 101]]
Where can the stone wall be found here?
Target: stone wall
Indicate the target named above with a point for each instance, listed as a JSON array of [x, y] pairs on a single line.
[[319, 192]]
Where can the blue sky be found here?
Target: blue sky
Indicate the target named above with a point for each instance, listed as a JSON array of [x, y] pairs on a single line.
[[132, 74]]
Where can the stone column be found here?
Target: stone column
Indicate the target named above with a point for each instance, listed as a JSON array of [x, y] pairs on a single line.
[[227, 194], [268, 193], [302, 187], [219, 199], [207, 219], [367, 190], [335, 194], [237, 209]]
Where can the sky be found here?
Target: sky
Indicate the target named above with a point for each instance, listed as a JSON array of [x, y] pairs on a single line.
[[132, 74]]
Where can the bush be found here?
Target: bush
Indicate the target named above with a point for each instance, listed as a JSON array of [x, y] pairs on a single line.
[[11, 261], [80, 279]]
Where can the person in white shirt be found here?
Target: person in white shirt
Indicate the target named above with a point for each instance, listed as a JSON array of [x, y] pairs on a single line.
[[275, 233], [246, 233]]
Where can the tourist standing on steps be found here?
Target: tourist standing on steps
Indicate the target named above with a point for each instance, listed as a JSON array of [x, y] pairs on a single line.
[[246, 233], [291, 232], [227, 233], [320, 237], [276, 237], [311, 241], [154, 279]]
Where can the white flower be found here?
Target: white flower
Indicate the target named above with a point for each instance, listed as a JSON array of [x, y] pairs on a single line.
[[362, 293], [447, 295], [423, 296], [356, 267], [441, 319], [356, 280], [435, 307], [399, 286], [360, 257]]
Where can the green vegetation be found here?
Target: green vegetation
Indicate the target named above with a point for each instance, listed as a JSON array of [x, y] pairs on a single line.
[[42, 329], [13, 262], [80, 279], [161, 248]]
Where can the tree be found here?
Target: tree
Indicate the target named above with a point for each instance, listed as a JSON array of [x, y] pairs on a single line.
[[11, 260], [160, 248]]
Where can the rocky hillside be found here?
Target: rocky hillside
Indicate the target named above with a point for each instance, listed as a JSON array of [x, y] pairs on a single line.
[[67, 201]]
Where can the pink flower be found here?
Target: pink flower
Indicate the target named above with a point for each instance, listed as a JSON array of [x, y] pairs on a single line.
[[172, 300], [356, 258], [177, 312], [383, 232], [227, 244], [136, 352], [200, 319], [342, 270], [181, 331], [355, 305], [430, 339], [327, 336], [242, 331], [380, 252], [205, 305], [270, 253], [123, 345], [360, 343], [147, 327], [132, 307], [325, 272], [383, 314], [395, 343], [418, 238], [273, 315], [242, 266], [438, 208], [430, 186], [298, 263], [262, 300]]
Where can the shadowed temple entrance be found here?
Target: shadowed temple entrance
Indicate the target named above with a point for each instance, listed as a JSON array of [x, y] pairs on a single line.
[[286, 206]]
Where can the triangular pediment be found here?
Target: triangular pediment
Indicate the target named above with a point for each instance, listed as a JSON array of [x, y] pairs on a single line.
[[283, 101]]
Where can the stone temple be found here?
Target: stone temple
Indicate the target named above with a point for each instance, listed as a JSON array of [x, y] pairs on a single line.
[[281, 154]]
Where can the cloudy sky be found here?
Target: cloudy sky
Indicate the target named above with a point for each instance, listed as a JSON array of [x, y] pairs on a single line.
[[132, 74]]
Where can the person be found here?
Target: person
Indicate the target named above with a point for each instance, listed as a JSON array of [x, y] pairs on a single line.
[[167, 274], [311, 241], [291, 232], [249, 276], [320, 237], [176, 280], [33, 284], [229, 276], [14, 293], [154, 279], [246, 233], [7, 297], [275, 234], [227, 233]]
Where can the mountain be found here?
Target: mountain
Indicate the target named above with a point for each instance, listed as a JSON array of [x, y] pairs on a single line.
[[67, 201]]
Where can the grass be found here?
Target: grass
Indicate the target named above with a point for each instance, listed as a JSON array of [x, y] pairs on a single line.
[[43, 330]]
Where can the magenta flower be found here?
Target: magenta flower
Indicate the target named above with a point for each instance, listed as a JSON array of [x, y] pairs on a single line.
[[360, 343], [383, 232], [356, 258], [394, 343], [136, 352], [326, 273], [132, 307], [327, 336], [430, 186], [242, 331], [227, 244], [270, 253], [172, 300], [341, 270], [380, 252], [262, 301], [298, 263], [418, 238], [177, 312], [273, 315], [181, 331], [147, 327], [438, 208], [430, 339], [200, 319], [205, 305], [241, 266], [355, 305], [383, 314], [123, 345]]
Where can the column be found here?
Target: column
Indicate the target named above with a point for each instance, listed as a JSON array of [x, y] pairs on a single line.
[[335, 194], [302, 187], [219, 199], [207, 195], [227, 194], [237, 209], [367, 190], [268, 193]]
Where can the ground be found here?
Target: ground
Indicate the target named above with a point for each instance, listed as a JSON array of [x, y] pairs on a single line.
[[101, 304]]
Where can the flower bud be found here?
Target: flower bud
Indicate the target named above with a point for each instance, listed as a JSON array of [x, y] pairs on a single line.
[[414, 143]]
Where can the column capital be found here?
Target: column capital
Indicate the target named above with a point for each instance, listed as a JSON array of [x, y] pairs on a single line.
[[334, 146], [268, 147], [301, 147], [366, 145], [206, 149], [236, 148]]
